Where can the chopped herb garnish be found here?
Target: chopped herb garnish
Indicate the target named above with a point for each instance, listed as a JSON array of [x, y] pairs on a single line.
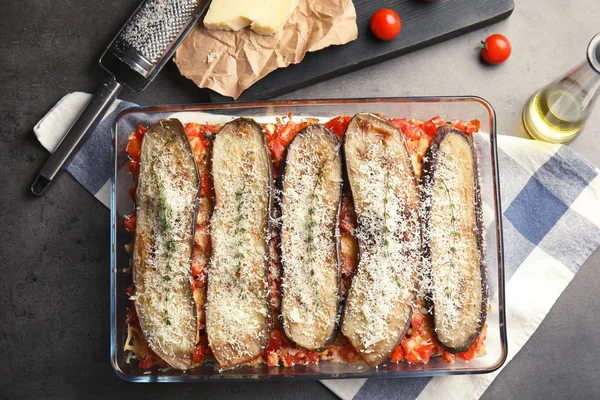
[[453, 232], [170, 245], [310, 225], [239, 193], [238, 241]]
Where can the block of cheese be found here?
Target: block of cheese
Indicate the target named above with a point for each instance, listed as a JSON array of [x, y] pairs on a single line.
[[264, 17]]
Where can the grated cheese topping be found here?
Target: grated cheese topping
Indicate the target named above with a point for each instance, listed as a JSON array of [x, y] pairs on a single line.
[[309, 233], [386, 203], [168, 185], [455, 285], [237, 313]]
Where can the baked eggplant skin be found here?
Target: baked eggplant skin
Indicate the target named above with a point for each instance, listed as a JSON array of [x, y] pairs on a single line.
[[377, 311], [238, 320], [451, 161], [166, 199], [311, 326]]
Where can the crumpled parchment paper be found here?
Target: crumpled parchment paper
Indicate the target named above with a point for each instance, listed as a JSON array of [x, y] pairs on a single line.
[[230, 62]]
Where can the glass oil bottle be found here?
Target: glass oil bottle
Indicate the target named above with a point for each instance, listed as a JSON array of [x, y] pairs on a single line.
[[557, 112]]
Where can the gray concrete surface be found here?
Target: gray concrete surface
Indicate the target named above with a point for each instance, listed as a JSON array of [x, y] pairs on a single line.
[[54, 251]]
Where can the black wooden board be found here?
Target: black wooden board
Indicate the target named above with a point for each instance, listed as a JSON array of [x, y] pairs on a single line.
[[423, 24]]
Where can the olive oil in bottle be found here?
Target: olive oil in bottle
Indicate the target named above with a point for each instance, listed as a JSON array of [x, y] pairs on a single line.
[[553, 115], [557, 112]]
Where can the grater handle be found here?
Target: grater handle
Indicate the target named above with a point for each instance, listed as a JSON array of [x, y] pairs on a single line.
[[85, 123]]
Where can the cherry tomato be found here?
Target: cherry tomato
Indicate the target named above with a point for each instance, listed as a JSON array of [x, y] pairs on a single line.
[[195, 129], [470, 128], [200, 353], [338, 125], [448, 357], [313, 357], [192, 129], [385, 24], [416, 321], [349, 354], [196, 270], [470, 354], [205, 187], [467, 355], [347, 216], [286, 133], [417, 349], [432, 126], [146, 361], [272, 359], [496, 49], [130, 222], [139, 132], [134, 148], [134, 167], [397, 354], [277, 150], [401, 123]]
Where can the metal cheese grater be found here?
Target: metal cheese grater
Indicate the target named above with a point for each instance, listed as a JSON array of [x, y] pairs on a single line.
[[133, 58]]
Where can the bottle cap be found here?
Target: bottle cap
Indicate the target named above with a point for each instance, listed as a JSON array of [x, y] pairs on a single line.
[[593, 53]]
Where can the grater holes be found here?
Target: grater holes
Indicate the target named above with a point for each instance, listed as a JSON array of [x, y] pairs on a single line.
[[156, 24]]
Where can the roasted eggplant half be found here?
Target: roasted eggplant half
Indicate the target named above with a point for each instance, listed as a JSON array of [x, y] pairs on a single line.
[[453, 240], [162, 254], [310, 247], [386, 199], [237, 310]]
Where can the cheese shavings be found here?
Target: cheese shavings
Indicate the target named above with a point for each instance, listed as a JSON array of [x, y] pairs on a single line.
[[309, 236], [237, 312], [168, 184], [454, 279], [386, 202]]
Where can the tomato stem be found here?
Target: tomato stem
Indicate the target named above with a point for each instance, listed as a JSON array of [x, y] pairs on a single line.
[[481, 46]]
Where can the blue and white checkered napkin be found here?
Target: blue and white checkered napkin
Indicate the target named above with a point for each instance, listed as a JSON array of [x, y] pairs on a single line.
[[551, 217]]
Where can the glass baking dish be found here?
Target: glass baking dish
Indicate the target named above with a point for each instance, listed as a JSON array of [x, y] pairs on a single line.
[[464, 108]]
